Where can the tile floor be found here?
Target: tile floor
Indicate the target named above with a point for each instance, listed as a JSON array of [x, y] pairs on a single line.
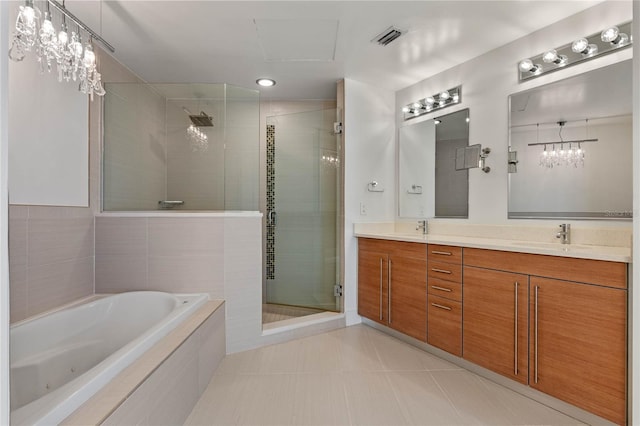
[[272, 312], [358, 376]]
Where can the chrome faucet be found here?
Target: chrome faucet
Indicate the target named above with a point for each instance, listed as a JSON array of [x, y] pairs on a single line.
[[422, 224], [565, 233]]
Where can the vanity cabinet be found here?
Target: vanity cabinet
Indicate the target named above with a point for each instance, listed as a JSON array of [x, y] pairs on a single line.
[[392, 285], [444, 294], [578, 345], [496, 321], [575, 323]]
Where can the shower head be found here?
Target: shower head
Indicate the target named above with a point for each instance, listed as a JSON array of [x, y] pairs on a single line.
[[201, 120]]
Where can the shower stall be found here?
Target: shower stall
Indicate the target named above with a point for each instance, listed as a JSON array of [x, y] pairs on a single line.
[[184, 147], [196, 148], [303, 206]]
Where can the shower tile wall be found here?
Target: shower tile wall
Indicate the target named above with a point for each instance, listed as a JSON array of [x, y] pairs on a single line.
[[195, 176], [134, 158], [242, 159]]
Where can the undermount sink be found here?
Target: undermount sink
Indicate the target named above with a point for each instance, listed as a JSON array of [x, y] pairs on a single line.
[[557, 247]]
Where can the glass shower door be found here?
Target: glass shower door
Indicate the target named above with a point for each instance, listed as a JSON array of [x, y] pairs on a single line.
[[303, 179]]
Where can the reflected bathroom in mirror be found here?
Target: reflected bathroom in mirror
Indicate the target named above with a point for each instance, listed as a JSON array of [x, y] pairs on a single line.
[[428, 183], [573, 140]]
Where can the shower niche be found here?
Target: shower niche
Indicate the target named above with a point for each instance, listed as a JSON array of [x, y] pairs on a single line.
[[182, 147]]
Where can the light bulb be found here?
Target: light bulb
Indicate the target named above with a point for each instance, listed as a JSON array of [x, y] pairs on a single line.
[[429, 100], [47, 27], [63, 37], [28, 14], [580, 45], [610, 35], [444, 96], [405, 109], [417, 105], [550, 56], [526, 65], [89, 57]]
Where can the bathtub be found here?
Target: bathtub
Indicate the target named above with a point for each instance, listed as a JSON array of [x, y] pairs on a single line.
[[60, 360]]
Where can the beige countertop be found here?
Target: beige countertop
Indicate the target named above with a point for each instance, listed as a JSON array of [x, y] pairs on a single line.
[[583, 251]]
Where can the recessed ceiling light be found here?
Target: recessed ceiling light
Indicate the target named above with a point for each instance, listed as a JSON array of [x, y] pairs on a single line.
[[266, 82]]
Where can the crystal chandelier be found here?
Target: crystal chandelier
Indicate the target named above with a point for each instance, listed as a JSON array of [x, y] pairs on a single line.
[[73, 60]]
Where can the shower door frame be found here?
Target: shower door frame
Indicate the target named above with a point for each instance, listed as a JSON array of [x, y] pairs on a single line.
[[339, 199]]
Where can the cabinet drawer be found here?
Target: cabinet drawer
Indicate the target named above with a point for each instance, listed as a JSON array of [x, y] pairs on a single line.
[[600, 272], [449, 254], [444, 271], [399, 248], [446, 289], [444, 324]]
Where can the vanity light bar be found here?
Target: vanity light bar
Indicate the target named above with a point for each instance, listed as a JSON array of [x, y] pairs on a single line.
[[432, 103], [610, 40]]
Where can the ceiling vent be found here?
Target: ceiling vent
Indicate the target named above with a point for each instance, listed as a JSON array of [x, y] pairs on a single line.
[[387, 36]]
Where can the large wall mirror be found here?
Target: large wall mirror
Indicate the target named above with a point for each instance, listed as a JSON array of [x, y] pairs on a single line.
[[428, 183], [572, 140]]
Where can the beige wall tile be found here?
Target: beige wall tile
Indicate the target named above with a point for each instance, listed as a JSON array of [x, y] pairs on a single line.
[[187, 274], [60, 239], [121, 236], [186, 236], [118, 273], [55, 284]]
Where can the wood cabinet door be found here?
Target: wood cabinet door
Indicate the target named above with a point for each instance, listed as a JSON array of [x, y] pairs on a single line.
[[372, 285], [578, 345], [495, 321], [408, 295]]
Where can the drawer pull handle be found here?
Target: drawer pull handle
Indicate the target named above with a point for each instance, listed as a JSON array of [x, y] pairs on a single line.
[[435, 287], [442, 271], [443, 253], [441, 306], [515, 362]]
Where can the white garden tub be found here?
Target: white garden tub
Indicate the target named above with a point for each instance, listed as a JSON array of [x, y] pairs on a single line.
[[60, 360]]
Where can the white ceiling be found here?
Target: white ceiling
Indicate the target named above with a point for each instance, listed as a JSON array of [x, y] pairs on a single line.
[[306, 46]]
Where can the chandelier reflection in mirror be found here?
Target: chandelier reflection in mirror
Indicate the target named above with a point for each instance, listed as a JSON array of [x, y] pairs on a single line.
[[431, 103], [35, 32], [562, 152], [610, 40]]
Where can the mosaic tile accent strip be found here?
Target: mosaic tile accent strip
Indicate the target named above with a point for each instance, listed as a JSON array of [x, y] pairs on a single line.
[[271, 200]]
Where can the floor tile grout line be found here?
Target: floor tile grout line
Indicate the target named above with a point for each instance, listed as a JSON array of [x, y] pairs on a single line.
[[446, 395]]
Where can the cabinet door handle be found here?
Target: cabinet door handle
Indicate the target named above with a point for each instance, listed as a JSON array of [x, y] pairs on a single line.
[[435, 287], [441, 306], [535, 337], [443, 253], [389, 279], [442, 271], [515, 337], [380, 289]]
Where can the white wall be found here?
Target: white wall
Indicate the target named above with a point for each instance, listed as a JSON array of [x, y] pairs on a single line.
[[4, 201], [369, 153], [488, 80]]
